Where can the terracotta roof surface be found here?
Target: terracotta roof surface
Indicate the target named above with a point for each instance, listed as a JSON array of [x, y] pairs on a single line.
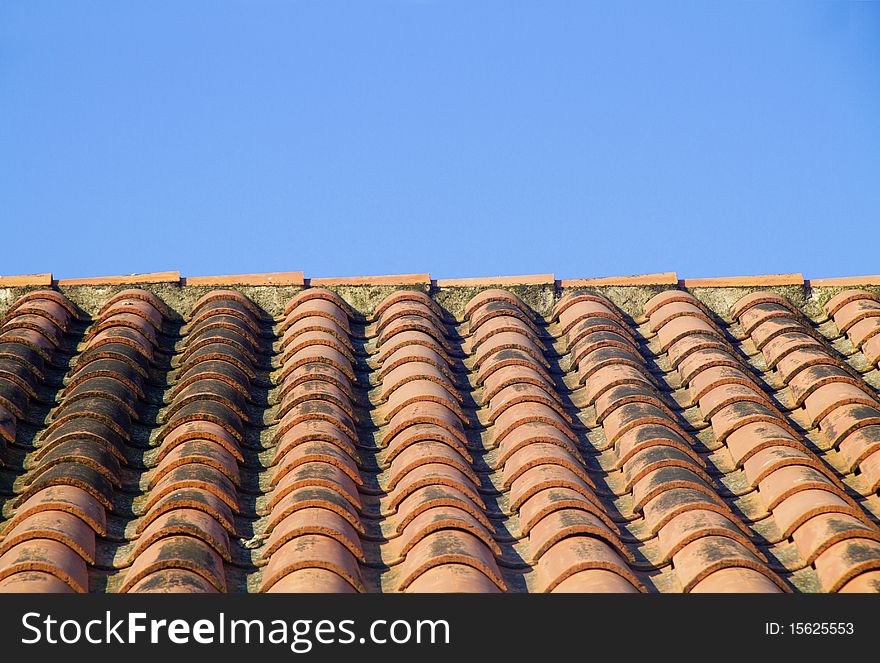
[[271, 433]]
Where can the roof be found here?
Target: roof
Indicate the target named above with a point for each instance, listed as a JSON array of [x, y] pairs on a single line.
[[271, 433]]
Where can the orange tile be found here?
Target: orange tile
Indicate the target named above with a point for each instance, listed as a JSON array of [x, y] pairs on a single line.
[[392, 279], [529, 279], [662, 278], [25, 280], [425, 367], [154, 277], [269, 278], [847, 281], [744, 281]]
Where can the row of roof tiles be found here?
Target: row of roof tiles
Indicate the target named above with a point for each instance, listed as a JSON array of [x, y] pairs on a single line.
[[312, 453], [298, 279]]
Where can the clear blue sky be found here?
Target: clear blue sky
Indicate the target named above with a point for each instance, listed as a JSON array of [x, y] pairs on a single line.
[[462, 138]]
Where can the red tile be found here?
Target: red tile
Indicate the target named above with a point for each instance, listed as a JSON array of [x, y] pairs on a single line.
[[424, 413], [65, 498], [846, 419], [406, 308], [608, 377], [672, 310], [573, 555], [408, 296], [321, 307], [744, 281], [732, 417], [271, 278], [386, 444], [758, 314], [841, 299], [25, 280], [416, 392], [499, 382], [667, 478], [449, 547], [827, 398], [190, 498], [527, 279], [58, 526], [595, 581], [637, 440], [664, 278], [46, 556], [542, 477], [718, 398], [309, 497], [679, 328], [312, 581], [442, 518], [845, 561], [862, 333], [419, 432], [313, 521], [772, 458], [668, 297], [707, 555], [314, 430], [424, 453], [695, 524], [318, 475], [533, 433], [821, 532], [434, 474], [774, 327], [652, 458], [536, 454], [34, 582], [787, 481], [453, 579], [184, 522], [705, 358], [316, 451], [523, 413], [870, 471], [56, 309], [177, 552], [850, 314], [487, 297], [543, 502], [632, 415], [436, 495], [394, 279], [784, 344], [864, 583], [794, 511], [156, 277], [734, 580], [315, 293], [173, 581], [757, 298], [565, 523]]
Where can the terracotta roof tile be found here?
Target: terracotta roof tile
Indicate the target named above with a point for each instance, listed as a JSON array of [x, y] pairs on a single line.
[[525, 439], [25, 280], [270, 278], [744, 281], [663, 278], [845, 281], [393, 279], [529, 279], [129, 279]]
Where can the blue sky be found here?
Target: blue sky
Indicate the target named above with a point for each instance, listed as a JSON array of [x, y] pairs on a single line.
[[461, 138]]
